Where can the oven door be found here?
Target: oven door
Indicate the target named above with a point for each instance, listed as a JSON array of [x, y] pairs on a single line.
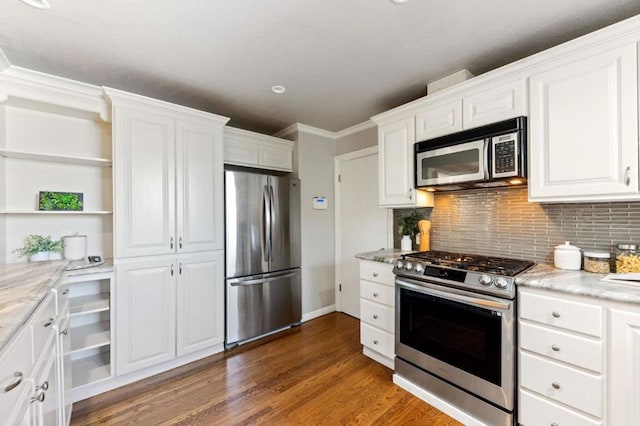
[[464, 338], [460, 163]]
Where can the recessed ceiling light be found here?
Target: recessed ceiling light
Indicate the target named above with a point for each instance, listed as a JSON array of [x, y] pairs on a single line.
[[399, 1], [40, 4], [279, 89]]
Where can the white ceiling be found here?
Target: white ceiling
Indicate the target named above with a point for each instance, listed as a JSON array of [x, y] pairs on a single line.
[[342, 61]]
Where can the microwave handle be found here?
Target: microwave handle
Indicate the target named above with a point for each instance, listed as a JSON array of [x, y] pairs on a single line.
[[487, 146]]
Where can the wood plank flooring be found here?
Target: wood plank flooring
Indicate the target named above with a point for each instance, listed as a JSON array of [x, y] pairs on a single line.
[[314, 374]]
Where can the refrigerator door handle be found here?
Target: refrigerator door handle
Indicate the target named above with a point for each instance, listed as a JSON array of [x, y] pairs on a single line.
[[272, 218], [266, 214], [240, 282]]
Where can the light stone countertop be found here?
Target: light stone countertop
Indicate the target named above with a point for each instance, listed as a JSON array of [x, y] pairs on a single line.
[[579, 283], [383, 255], [24, 285]]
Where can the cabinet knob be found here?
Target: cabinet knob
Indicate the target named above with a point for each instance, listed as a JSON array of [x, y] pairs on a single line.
[[172, 269], [43, 386], [65, 292], [375, 274], [554, 424], [64, 332], [375, 316], [375, 294], [180, 242], [12, 386], [627, 176], [411, 193], [49, 322], [555, 385], [375, 342], [555, 348], [556, 314], [171, 243], [38, 397]]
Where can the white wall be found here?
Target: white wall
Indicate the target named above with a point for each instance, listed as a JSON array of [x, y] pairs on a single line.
[[313, 164], [3, 184], [359, 140]]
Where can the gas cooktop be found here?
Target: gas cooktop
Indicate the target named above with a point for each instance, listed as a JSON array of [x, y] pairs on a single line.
[[484, 274]]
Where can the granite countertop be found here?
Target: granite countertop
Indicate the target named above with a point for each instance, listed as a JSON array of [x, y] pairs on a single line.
[[580, 283], [24, 285], [382, 255]]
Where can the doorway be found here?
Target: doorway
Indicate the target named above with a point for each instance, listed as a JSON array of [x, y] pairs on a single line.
[[361, 225]]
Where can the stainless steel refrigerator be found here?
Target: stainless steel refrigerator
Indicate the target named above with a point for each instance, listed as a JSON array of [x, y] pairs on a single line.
[[262, 215]]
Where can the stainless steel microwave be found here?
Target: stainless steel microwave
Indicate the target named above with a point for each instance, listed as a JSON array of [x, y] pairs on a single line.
[[487, 156]]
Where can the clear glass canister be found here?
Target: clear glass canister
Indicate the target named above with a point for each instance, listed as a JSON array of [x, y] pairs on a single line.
[[597, 261], [625, 258]]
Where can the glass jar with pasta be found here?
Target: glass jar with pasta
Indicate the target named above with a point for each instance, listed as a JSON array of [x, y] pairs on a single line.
[[625, 258]]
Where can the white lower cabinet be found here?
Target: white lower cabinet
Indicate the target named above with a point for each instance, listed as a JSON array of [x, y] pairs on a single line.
[[377, 312], [578, 360], [167, 306]]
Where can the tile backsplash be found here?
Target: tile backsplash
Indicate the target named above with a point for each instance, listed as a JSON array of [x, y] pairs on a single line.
[[501, 222]]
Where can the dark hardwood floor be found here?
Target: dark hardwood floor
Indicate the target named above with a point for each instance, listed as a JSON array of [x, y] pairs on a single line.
[[314, 374]]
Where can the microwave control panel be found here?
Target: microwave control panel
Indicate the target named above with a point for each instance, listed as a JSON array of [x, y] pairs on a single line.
[[505, 155]]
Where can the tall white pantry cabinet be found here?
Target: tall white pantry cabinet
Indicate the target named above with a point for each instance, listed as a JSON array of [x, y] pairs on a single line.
[[168, 230]]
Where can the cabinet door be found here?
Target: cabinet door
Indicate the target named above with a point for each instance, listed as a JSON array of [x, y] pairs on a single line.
[[495, 104], [145, 320], [199, 187], [200, 307], [275, 157], [395, 164], [439, 120], [584, 129], [624, 367], [144, 182]]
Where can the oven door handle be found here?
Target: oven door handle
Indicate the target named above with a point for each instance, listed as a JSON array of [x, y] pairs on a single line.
[[475, 301]]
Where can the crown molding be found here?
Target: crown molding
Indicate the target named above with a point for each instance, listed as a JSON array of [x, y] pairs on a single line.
[[4, 62], [287, 131], [355, 129]]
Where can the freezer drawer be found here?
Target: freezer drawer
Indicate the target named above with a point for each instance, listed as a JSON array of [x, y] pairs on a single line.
[[258, 305]]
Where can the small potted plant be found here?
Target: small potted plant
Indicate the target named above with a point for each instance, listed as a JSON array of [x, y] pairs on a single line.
[[408, 228], [38, 248]]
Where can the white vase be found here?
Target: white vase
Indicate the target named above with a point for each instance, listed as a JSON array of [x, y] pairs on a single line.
[[405, 243], [39, 257]]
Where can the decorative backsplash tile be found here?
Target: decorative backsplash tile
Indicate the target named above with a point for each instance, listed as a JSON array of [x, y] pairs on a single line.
[[501, 222]]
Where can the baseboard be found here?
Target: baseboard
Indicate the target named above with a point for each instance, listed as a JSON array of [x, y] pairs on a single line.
[[318, 313]]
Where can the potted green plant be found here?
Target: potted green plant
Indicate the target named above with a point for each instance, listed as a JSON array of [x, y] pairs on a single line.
[[37, 248], [408, 228]]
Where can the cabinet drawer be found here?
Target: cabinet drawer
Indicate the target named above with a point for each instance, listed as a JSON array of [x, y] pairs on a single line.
[[42, 324], [378, 340], [15, 366], [575, 316], [377, 292], [538, 411], [377, 271], [377, 315], [562, 346], [573, 387]]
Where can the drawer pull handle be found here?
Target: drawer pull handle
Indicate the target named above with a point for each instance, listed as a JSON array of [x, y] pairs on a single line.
[[375, 342], [556, 314], [555, 348], [375, 294], [39, 397], [12, 386], [43, 386], [375, 274], [65, 292], [555, 385], [49, 322], [375, 316], [554, 424]]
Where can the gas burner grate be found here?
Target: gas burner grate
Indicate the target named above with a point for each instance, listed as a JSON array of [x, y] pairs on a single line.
[[471, 262]]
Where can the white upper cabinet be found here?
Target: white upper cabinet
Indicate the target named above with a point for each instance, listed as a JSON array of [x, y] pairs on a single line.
[[439, 120], [244, 148], [497, 103], [168, 170], [395, 167], [583, 128]]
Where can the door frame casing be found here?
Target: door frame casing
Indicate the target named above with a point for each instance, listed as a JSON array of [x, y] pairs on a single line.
[[337, 165]]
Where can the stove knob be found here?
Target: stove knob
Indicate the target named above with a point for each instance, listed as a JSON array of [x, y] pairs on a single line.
[[408, 266], [400, 264], [419, 268], [502, 282], [485, 280]]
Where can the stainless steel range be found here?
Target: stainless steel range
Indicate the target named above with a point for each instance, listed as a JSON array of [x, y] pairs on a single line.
[[455, 330]]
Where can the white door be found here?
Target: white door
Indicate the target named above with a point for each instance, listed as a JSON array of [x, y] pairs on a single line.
[[200, 307], [146, 313], [362, 225]]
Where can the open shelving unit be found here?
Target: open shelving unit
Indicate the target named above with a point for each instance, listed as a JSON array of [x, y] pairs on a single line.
[[90, 328]]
